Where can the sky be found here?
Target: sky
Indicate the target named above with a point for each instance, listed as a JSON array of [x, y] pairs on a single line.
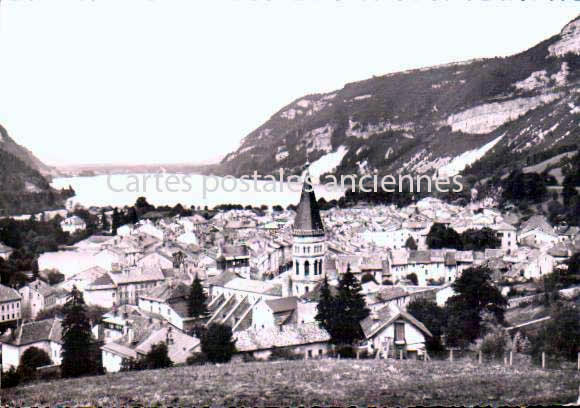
[[181, 81]]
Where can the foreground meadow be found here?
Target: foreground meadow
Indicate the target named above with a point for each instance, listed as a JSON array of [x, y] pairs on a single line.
[[322, 382]]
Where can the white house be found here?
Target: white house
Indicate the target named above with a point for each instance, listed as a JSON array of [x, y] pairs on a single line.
[[37, 296], [82, 279], [5, 251], [188, 238], [122, 286], [537, 232], [391, 330], [44, 334], [150, 229], [169, 301], [73, 224], [10, 305], [508, 235], [275, 312]]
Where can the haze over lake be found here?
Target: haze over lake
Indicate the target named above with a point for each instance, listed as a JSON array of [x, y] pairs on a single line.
[[119, 190]]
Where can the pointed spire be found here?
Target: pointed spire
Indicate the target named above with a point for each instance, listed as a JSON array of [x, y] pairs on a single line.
[[308, 221]]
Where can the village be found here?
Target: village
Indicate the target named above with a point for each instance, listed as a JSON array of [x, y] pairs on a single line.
[[262, 275]]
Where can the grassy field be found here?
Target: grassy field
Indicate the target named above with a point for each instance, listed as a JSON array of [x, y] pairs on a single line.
[[324, 382]]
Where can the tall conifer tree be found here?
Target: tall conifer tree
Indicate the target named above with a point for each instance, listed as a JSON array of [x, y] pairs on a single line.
[[77, 348], [196, 305]]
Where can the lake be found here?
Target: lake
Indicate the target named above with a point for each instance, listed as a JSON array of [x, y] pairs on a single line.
[[170, 189]]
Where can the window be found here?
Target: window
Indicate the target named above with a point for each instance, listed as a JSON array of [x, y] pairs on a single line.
[[399, 331], [306, 268], [297, 268], [309, 353]]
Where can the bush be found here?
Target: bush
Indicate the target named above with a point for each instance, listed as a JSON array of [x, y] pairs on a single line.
[[367, 277], [157, 357], [249, 358], [34, 357], [280, 353], [413, 278], [560, 338], [217, 343], [343, 352], [31, 359], [11, 378], [495, 344], [521, 343], [197, 359]]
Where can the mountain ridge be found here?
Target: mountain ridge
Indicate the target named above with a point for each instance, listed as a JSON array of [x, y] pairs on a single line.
[[24, 187], [429, 120], [9, 145]]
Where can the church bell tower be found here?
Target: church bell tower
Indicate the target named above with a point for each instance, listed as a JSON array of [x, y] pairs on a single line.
[[309, 242]]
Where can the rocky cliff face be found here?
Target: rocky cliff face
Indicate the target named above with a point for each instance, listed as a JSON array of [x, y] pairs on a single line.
[[420, 121]]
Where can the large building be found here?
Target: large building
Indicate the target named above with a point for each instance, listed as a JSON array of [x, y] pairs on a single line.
[[309, 243], [10, 306]]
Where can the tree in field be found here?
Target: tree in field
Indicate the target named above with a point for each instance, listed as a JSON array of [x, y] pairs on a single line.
[[217, 344], [475, 295], [561, 335], [157, 357], [78, 357], [411, 244], [197, 301], [341, 315], [433, 317]]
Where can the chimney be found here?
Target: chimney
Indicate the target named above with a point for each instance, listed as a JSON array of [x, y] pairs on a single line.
[[169, 337], [130, 333]]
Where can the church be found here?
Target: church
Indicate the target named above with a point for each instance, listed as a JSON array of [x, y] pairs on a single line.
[[238, 302], [309, 244]]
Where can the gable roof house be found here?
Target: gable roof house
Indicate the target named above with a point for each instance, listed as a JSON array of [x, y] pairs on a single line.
[[537, 232], [10, 306], [306, 339], [73, 224], [44, 334], [138, 341], [275, 312], [39, 295], [391, 330], [169, 301]]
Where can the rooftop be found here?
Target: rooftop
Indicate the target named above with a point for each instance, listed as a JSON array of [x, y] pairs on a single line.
[[308, 221], [286, 336]]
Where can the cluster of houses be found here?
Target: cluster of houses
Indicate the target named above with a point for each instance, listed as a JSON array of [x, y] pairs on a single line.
[[263, 274]]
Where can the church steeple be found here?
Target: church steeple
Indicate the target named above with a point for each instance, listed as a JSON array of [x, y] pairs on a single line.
[[308, 222], [309, 242]]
